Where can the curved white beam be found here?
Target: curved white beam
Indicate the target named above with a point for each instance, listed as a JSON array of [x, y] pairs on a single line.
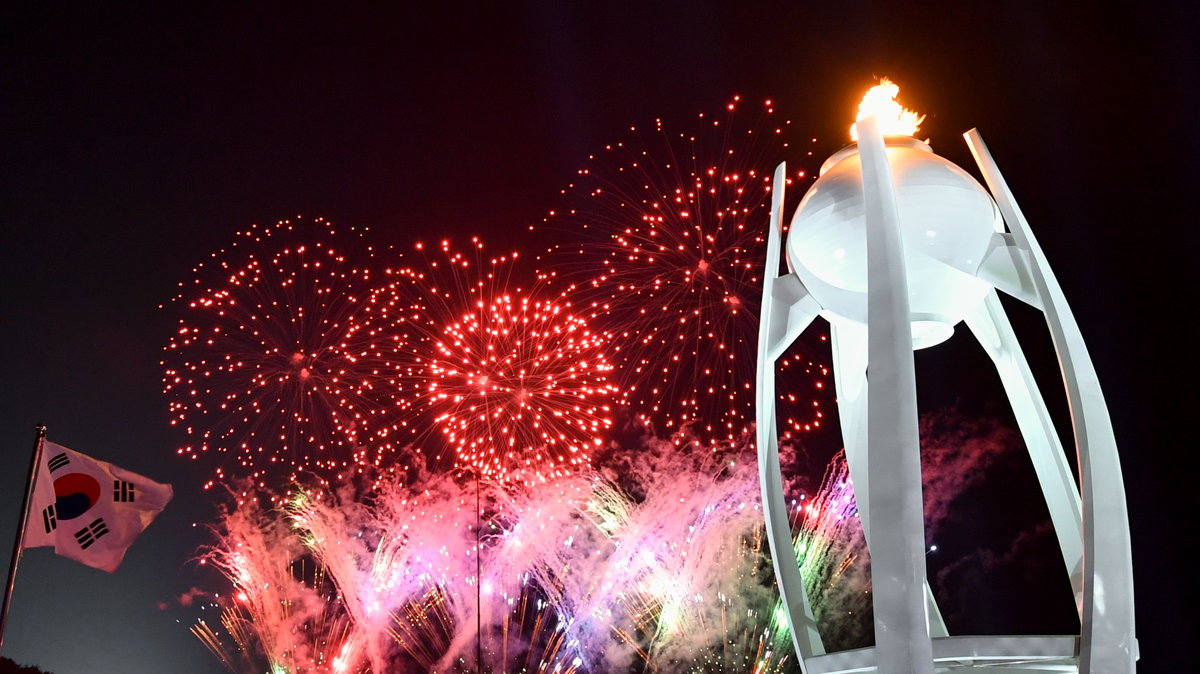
[[991, 327], [773, 324], [893, 446], [806, 638], [1107, 641]]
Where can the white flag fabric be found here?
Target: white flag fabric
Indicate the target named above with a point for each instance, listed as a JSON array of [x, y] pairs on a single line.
[[90, 511]]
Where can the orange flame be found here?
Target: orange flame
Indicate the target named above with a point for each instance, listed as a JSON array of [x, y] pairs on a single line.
[[894, 120]]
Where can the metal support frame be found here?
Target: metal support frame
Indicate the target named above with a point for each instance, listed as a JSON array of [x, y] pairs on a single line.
[[1091, 522]]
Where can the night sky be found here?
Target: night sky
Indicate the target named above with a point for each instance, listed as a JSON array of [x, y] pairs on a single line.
[[136, 143]]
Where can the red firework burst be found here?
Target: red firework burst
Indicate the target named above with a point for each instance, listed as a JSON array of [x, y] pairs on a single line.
[[666, 244], [255, 370], [515, 386]]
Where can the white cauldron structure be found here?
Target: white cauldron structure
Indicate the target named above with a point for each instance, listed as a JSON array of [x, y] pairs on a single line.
[[895, 246]]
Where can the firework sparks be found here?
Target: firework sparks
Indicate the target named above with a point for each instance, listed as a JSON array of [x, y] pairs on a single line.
[[666, 232], [367, 382], [515, 386], [833, 558], [282, 607], [654, 560], [660, 563], [254, 370]]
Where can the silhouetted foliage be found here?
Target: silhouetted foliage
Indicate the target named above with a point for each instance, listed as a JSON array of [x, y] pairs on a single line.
[[9, 667]]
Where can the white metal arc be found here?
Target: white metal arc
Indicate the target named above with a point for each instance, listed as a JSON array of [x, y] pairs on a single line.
[[903, 644], [773, 323], [1107, 641], [991, 327]]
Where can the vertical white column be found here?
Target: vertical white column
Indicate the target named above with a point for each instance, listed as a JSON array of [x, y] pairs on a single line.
[[903, 644], [849, 342]]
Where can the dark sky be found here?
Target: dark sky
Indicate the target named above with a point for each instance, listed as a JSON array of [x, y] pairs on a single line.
[[135, 143]]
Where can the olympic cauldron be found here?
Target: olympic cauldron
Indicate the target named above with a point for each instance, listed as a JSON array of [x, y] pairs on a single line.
[[895, 246]]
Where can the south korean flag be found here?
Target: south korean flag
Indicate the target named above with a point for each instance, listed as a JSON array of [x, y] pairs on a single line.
[[90, 511]]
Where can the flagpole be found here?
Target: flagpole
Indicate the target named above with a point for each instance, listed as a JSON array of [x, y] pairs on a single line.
[[19, 544]]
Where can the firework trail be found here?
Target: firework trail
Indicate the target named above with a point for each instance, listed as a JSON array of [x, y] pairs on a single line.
[[658, 567], [254, 370], [664, 237], [512, 385], [282, 607], [653, 561], [404, 568], [834, 561], [689, 567]]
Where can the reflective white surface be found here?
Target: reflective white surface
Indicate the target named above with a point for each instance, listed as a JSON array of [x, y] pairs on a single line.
[[946, 224], [953, 252]]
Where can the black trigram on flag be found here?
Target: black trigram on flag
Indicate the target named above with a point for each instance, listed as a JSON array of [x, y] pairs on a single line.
[[122, 491], [91, 533], [58, 461], [50, 518]]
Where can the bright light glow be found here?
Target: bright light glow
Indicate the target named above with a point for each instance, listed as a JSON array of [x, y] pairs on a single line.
[[894, 119]]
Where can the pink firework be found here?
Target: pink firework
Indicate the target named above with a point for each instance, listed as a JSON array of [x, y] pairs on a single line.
[[255, 369], [516, 387], [664, 240]]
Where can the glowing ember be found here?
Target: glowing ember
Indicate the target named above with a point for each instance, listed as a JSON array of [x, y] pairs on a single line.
[[894, 119], [516, 387], [254, 371], [662, 243], [578, 574], [506, 380]]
